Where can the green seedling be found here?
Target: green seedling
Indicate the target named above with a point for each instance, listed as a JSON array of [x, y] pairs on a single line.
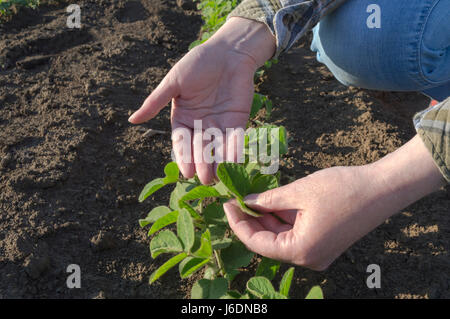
[[202, 239], [193, 227]]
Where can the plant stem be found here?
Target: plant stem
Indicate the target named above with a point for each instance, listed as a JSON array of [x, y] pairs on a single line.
[[219, 263]]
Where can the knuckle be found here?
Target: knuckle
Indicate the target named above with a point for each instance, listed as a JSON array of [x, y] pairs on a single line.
[[267, 198]]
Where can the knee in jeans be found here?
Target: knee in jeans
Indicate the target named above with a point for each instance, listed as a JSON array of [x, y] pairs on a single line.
[[407, 53], [435, 44]]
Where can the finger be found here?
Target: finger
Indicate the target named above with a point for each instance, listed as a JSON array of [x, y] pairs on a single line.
[[233, 148], [255, 236], [274, 200], [182, 148], [288, 216], [203, 166], [158, 99], [215, 140], [273, 224]]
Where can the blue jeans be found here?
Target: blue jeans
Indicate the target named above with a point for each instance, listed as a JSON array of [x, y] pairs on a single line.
[[409, 50]]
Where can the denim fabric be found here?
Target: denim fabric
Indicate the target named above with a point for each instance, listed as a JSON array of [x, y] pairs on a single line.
[[409, 52]]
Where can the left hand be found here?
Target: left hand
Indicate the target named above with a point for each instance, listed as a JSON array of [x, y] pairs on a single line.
[[213, 84]]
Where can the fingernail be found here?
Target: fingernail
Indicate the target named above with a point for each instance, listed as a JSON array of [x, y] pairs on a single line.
[[251, 199], [131, 118]]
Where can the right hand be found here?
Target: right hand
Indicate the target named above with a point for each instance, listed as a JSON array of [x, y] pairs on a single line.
[[212, 83], [311, 221]]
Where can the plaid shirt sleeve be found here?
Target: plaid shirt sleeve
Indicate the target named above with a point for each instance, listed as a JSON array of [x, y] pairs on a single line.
[[433, 126], [288, 20]]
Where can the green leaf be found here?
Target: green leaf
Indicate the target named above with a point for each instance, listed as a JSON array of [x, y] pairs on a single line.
[[252, 169], [315, 293], [220, 187], [261, 183], [200, 192], [256, 104], [235, 178], [221, 243], [155, 214], [166, 266], [260, 287], [233, 294], [230, 274], [172, 173], [150, 188], [264, 132], [210, 273], [214, 214], [269, 107], [165, 242], [181, 189], [197, 241], [285, 284], [194, 44], [164, 221], [190, 209], [209, 289], [190, 265], [236, 256], [217, 231], [274, 295], [247, 210], [205, 250], [268, 268], [206, 36], [185, 229], [283, 140]]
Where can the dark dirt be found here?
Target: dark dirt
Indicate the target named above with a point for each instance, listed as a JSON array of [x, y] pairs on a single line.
[[71, 166]]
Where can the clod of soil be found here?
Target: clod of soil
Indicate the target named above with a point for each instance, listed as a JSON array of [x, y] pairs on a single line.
[[103, 241]]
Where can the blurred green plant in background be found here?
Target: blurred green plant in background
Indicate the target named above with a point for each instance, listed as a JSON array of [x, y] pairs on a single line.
[[7, 7], [214, 15]]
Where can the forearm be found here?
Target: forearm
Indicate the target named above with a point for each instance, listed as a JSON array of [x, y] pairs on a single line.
[[403, 177]]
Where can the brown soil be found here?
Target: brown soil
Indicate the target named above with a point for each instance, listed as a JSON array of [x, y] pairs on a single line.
[[71, 165]]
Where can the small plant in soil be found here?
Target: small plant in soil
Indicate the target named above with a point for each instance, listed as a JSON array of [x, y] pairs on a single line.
[[203, 239]]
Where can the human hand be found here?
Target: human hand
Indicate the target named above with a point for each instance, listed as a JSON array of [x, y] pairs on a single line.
[[326, 212], [321, 216], [212, 83]]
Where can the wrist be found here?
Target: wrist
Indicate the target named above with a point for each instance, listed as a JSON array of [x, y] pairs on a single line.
[[247, 37], [404, 176]]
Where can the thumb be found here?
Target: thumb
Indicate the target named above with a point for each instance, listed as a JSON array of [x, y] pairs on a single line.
[[157, 100], [274, 200]]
